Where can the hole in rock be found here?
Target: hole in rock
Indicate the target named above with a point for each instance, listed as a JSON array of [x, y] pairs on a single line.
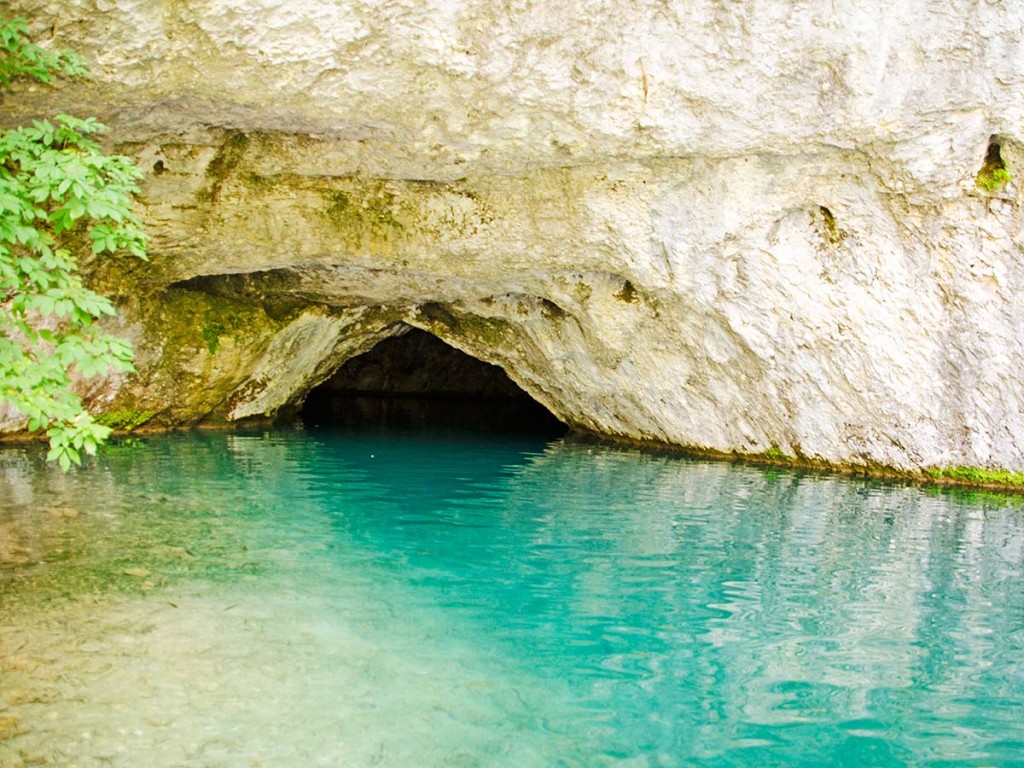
[[416, 381], [994, 153]]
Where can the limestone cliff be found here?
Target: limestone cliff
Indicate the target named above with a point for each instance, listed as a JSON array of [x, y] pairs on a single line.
[[743, 226]]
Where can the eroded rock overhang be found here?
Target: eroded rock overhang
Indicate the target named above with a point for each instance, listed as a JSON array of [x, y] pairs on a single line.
[[688, 224]]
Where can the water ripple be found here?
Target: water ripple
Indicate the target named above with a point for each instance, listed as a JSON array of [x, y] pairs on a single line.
[[303, 598]]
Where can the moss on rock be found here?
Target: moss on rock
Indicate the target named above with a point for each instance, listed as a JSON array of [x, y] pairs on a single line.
[[368, 217], [125, 420], [227, 159], [205, 347], [444, 321], [978, 476]]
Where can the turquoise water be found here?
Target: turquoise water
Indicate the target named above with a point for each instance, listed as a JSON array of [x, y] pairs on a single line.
[[343, 597]]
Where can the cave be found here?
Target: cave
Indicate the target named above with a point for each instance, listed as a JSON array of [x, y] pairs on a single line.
[[414, 381]]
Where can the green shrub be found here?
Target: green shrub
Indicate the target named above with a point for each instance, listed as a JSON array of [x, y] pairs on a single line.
[[55, 183]]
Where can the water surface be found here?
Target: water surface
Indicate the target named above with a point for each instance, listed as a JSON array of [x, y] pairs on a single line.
[[344, 597]]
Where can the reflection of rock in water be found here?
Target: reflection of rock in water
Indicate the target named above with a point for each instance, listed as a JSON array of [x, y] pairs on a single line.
[[590, 588], [471, 413]]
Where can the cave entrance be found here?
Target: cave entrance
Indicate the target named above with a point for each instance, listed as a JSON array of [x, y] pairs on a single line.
[[414, 380]]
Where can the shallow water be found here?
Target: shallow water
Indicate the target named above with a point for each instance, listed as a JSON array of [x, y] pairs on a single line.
[[340, 597]]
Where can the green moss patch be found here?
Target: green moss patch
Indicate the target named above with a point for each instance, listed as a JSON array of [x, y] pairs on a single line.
[[993, 180], [368, 217], [125, 420], [205, 341], [777, 454], [979, 476], [194, 320]]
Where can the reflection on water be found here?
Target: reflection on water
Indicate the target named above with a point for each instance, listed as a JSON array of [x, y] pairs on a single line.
[[395, 413], [329, 597]]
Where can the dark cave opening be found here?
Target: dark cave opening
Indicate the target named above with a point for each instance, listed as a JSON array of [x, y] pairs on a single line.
[[414, 381]]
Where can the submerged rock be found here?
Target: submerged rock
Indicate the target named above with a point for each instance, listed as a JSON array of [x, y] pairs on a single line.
[[754, 229]]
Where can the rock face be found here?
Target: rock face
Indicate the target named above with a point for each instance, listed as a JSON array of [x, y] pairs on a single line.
[[738, 226]]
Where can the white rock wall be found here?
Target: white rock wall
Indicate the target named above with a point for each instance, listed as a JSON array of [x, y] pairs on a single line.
[[735, 225]]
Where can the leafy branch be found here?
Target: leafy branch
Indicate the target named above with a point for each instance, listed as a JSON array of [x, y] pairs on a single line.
[[20, 57], [54, 183]]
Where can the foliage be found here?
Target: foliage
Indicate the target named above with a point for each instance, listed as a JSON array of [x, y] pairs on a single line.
[[55, 185], [20, 57]]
